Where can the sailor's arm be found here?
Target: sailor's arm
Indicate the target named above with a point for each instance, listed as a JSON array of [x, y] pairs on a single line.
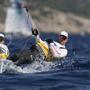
[[57, 52], [35, 32], [8, 53], [38, 39]]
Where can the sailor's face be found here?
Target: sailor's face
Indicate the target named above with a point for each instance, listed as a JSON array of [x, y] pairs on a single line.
[[2, 40], [63, 39]]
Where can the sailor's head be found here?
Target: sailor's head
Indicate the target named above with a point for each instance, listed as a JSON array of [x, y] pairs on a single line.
[[2, 37], [63, 37]]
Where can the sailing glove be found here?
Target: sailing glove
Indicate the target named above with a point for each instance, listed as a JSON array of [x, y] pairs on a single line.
[[35, 32], [49, 41]]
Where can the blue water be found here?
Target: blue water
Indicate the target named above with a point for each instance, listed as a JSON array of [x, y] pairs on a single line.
[[73, 76]]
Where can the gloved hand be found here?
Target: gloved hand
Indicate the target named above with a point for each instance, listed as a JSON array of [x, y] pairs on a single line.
[[49, 41], [35, 32]]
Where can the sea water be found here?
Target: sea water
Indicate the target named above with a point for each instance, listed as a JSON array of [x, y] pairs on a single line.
[[71, 74]]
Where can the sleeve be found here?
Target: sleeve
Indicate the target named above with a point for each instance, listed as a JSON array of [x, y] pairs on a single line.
[[57, 52], [38, 39], [8, 53]]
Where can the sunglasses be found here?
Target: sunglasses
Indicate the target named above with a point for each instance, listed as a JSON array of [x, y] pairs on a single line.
[[1, 38], [62, 37]]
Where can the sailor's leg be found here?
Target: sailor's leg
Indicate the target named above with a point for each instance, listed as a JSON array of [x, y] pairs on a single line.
[[27, 56]]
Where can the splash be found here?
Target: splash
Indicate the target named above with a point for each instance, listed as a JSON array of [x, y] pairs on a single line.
[[9, 67], [38, 65]]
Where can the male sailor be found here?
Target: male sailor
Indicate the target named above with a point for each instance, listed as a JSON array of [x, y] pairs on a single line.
[[51, 48], [4, 51]]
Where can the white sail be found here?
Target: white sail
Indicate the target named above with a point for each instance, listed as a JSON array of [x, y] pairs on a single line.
[[18, 20]]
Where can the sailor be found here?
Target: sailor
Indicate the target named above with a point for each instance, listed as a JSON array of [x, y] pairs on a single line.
[[4, 51], [51, 48]]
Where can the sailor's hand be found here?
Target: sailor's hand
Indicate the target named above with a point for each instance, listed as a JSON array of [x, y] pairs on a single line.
[[35, 32], [49, 41]]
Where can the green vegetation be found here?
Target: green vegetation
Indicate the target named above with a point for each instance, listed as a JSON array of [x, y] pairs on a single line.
[[78, 7]]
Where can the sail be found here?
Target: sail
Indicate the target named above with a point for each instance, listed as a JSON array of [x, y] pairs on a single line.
[[17, 19]]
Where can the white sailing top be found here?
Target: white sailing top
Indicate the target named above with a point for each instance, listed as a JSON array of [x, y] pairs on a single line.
[[4, 49], [58, 50]]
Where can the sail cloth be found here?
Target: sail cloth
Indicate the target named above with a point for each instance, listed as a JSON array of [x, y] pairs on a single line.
[[18, 20]]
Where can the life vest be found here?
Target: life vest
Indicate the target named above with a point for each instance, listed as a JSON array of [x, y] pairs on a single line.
[[4, 56], [46, 51], [4, 52]]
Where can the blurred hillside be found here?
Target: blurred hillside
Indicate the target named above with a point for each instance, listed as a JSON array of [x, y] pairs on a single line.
[[56, 15]]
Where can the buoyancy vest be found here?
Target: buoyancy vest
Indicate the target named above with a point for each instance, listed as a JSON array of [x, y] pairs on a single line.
[[46, 50], [4, 52]]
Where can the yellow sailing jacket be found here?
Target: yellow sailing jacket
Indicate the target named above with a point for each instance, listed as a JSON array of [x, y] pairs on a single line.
[[46, 50], [4, 56]]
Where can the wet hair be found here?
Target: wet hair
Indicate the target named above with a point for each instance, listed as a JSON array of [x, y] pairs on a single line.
[[1, 39]]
